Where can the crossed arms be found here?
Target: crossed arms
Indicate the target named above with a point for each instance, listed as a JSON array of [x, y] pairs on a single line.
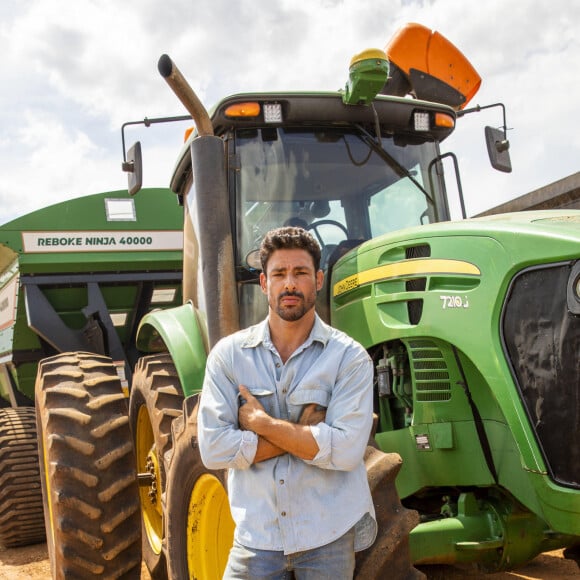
[[277, 436]]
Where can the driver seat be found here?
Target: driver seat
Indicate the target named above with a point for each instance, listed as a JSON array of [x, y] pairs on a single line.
[[340, 250]]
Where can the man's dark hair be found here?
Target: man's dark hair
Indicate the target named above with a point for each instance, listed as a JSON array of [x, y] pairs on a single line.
[[289, 238]]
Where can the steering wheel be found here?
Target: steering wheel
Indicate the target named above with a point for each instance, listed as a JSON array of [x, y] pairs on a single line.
[[326, 250], [315, 225]]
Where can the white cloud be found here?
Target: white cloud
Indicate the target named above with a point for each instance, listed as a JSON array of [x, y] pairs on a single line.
[[73, 72], [53, 161]]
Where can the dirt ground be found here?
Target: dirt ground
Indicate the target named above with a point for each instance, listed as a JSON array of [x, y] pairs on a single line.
[[31, 563], [548, 566]]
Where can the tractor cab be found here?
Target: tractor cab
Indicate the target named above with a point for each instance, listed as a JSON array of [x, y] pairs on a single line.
[[348, 165], [341, 183]]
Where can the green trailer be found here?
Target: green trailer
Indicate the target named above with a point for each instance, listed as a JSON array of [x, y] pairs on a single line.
[[77, 276]]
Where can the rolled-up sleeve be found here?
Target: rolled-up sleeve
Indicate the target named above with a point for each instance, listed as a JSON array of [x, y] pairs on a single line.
[[343, 437], [221, 443]]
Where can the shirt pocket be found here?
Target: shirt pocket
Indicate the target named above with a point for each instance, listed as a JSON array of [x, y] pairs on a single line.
[[264, 397], [305, 395]]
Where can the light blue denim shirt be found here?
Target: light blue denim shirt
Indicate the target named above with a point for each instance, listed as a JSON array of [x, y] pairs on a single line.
[[286, 503]]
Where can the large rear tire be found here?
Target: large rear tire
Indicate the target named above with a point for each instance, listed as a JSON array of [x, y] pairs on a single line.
[[389, 556], [89, 483], [199, 524], [156, 400], [21, 512]]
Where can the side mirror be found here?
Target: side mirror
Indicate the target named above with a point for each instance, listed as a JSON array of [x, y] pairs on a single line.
[[498, 149], [134, 167]]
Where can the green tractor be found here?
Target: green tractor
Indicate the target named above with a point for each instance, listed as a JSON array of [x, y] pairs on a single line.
[[474, 326]]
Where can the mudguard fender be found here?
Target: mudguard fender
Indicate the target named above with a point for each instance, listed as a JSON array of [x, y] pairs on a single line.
[[181, 332]]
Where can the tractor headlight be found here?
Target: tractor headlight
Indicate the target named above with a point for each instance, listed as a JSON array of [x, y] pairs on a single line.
[[272, 113], [421, 121]]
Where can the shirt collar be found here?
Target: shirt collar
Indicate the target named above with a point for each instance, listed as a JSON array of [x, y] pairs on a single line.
[[260, 334]]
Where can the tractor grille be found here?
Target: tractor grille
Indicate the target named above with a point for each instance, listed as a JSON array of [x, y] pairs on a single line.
[[430, 373], [541, 336], [420, 251], [415, 307]]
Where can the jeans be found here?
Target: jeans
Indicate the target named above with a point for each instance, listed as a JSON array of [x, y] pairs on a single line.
[[335, 561]]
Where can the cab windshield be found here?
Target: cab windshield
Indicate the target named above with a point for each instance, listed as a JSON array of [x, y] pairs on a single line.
[[337, 183]]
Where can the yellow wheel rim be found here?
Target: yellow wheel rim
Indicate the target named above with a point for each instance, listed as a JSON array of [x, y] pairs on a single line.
[[210, 529], [150, 493]]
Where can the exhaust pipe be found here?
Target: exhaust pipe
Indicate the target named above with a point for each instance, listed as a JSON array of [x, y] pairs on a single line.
[[207, 234], [185, 94]]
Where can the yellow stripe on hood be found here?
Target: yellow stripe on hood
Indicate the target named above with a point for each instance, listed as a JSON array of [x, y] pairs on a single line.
[[415, 267]]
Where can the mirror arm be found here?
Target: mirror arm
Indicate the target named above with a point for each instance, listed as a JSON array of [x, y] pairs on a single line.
[[479, 108], [147, 122]]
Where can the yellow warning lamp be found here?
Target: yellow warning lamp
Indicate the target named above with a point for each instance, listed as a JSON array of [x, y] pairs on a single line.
[[237, 110]]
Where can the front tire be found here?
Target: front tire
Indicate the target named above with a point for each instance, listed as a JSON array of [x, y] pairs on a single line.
[[156, 399], [199, 524], [89, 482]]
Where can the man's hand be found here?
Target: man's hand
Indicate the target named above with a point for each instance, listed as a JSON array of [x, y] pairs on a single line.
[[251, 411], [277, 436], [312, 414], [249, 415]]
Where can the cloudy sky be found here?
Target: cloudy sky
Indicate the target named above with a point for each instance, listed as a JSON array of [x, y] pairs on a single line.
[[73, 71]]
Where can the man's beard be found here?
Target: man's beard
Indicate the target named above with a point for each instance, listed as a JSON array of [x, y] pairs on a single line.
[[296, 312]]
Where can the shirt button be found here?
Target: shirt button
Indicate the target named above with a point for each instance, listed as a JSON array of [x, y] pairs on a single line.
[[283, 514], [281, 482], [284, 390], [277, 365]]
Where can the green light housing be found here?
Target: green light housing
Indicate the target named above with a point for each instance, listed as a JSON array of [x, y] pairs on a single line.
[[367, 74]]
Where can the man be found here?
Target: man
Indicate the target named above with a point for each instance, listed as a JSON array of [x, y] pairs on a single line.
[[286, 406]]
